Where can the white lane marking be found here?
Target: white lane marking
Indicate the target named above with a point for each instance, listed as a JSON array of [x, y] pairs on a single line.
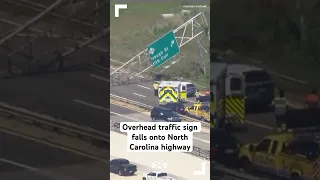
[[121, 115], [49, 174], [199, 139], [52, 145], [143, 86], [191, 101], [100, 78], [258, 125], [139, 95], [19, 164], [104, 109]]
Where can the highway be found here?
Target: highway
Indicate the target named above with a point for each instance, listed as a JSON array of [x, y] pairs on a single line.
[[257, 126], [121, 114], [180, 165], [22, 158], [54, 94]]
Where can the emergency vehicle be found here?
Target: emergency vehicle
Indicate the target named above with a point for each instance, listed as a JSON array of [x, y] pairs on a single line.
[[171, 91], [291, 154], [258, 84], [228, 102]]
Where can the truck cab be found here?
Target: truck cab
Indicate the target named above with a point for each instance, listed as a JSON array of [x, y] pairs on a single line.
[[284, 155]]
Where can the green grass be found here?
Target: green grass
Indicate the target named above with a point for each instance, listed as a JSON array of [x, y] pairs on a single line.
[[142, 23]]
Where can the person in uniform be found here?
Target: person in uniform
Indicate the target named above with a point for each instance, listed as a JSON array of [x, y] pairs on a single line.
[[280, 104], [197, 93], [155, 88]]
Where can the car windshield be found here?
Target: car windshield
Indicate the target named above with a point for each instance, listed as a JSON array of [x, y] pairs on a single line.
[[123, 161], [222, 137], [162, 174], [190, 86]]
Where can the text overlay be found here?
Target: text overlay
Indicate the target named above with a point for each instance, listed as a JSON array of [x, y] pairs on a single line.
[[160, 136]]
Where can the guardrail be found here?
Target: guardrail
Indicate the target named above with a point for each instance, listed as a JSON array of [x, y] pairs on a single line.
[[203, 154], [148, 107], [55, 124]]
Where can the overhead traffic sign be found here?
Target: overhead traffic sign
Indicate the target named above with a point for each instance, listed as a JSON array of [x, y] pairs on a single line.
[[163, 49]]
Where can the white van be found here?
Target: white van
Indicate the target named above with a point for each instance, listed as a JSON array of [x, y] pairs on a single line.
[[191, 88]]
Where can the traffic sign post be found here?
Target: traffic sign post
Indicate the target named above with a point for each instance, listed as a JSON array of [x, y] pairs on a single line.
[[163, 49]]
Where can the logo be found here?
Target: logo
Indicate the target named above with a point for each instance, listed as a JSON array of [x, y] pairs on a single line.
[[151, 51], [159, 165]]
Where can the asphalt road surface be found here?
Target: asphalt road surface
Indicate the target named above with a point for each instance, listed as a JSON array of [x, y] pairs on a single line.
[[25, 159], [122, 114], [54, 94], [258, 125]]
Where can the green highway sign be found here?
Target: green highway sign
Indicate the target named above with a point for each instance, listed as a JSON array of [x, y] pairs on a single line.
[[163, 49]]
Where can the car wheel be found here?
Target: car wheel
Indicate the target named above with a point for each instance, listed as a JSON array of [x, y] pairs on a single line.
[[295, 176], [246, 165], [144, 178], [120, 173]]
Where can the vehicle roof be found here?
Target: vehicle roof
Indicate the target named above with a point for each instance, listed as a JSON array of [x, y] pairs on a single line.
[[242, 68], [281, 136], [121, 159], [162, 108], [216, 69], [186, 83], [170, 83], [158, 172]]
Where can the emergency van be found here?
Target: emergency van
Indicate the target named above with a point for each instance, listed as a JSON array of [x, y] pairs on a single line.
[[172, 91], [258, 84], [228, 102]]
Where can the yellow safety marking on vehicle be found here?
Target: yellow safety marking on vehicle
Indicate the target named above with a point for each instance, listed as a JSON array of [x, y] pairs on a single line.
[[168, 94], [183, 95], [315, 169], [235, 106]]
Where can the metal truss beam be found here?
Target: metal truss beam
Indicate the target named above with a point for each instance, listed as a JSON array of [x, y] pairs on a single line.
[[39, 8], [50, 34], [140, 63], [31, 21]]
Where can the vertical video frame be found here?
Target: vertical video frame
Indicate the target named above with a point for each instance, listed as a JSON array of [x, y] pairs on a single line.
[[160, 90], [54, 95]]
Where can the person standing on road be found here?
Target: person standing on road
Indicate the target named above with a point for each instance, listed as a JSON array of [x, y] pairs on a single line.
[[312, 100], [197, 94], [280, 105], [155, 88]]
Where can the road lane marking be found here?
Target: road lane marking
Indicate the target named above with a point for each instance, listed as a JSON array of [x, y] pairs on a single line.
[[258, 125], [121, 115], [143, 86], [52, 145], [104, 109], [99, 77], [19, 164], [139, 95], [46, 173]]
